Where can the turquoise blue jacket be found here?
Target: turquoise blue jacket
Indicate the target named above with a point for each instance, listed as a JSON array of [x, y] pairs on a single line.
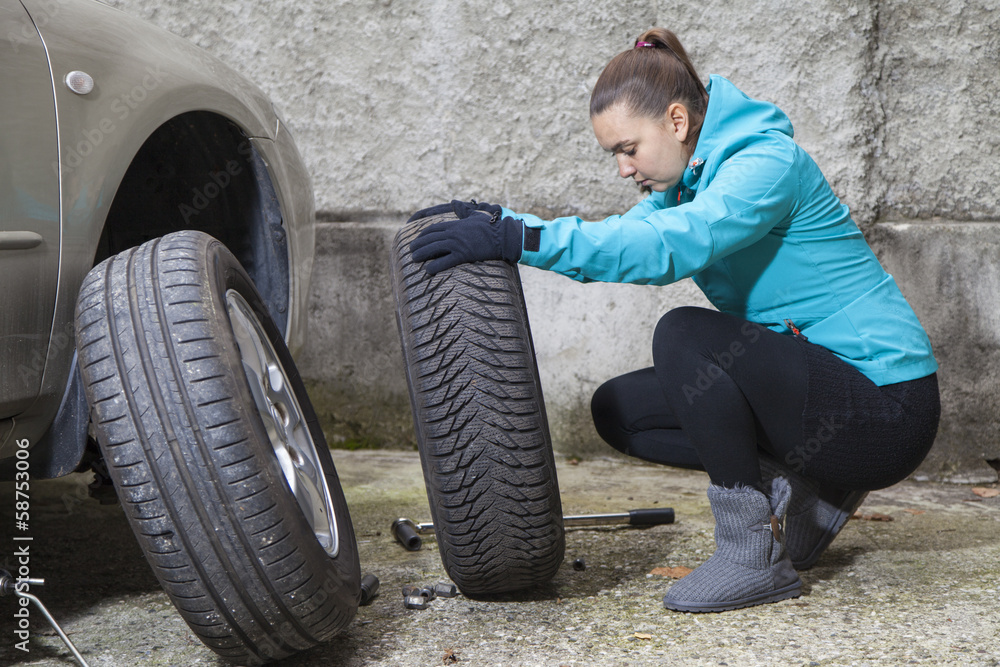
[[757, 227]]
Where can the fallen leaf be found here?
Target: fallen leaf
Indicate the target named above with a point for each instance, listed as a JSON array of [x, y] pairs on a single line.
[[672, 572], [915, 512], [642, 635], [450, 657], [983, 492]]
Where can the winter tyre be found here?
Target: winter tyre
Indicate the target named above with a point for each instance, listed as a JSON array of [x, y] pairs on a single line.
[[480, 421], [214, 449]]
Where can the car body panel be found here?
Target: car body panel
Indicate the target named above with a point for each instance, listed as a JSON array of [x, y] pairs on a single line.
[[143, 76], [29, 197]]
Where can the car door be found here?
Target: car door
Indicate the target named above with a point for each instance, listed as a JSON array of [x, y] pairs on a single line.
[[29, 209]]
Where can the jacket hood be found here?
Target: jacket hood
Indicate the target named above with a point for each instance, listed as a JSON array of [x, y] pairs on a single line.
[[732, 114]]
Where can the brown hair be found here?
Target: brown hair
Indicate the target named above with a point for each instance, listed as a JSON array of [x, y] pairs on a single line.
[[646, 80]]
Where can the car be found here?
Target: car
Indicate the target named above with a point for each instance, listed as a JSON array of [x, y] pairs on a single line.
[[156, 246]]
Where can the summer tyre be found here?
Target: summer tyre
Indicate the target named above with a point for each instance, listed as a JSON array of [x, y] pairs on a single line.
[[215, 450], [480, 421]]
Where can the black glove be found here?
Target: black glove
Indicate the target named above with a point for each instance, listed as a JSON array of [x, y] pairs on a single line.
[[462, 209], [465, 209], [477, 238]]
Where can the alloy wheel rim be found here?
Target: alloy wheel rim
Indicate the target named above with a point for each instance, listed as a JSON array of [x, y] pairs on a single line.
[[286, 426]]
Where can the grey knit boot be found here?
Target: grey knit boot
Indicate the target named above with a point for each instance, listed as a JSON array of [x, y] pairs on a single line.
[[815, 514], [749, 566]]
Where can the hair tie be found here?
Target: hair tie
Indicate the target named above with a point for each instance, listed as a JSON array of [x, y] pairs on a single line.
[[640, 45]]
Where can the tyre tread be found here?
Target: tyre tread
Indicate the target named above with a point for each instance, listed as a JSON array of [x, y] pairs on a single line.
[[480, 421]]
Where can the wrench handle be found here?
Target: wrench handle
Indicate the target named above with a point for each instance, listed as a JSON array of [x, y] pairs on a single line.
[[407, 533], [651, 517], [643, 517]]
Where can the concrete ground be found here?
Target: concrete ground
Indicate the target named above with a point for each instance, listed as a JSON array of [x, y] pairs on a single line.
[[919, 589]]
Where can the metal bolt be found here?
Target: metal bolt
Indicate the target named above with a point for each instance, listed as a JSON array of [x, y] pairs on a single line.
[[415, 602], [445, 589], [410, 589], [427, 593]]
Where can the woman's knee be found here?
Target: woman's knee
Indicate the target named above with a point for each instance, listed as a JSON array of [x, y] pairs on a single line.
[[682, 332], [606, 415]]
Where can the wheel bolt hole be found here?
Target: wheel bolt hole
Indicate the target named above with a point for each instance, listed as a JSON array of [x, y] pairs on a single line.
[[281, 413]]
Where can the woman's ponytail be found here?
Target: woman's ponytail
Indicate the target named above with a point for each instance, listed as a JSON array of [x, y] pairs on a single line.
[[650, 77]]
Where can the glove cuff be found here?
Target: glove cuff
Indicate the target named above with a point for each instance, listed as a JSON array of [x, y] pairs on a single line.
[[511, 232]]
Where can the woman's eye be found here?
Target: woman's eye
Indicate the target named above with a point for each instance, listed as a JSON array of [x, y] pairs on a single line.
[[630, 152]]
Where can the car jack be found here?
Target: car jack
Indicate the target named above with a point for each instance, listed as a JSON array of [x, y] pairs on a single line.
[[18, 587], [408, 533]]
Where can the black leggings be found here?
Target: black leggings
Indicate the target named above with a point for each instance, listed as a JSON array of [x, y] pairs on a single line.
[[722, 387]]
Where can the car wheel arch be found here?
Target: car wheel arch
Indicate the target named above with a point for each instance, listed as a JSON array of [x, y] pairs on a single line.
[[197, 171], [201, 171]]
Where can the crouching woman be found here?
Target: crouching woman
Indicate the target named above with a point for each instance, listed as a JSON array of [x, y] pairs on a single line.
[[812, 383]]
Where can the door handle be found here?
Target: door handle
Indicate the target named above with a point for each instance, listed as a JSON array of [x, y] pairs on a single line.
[[19, 240]]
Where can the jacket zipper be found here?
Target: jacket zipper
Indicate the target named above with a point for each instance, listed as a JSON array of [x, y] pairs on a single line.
[[795, 330]]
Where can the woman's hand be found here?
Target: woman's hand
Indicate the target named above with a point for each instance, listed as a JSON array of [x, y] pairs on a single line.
[[461, 209], [476, 238]]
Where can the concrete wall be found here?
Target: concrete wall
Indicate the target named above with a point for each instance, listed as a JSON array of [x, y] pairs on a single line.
[[950, 272], [399, 104]]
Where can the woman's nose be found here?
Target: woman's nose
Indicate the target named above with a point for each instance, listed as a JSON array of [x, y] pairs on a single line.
[[625, 167]]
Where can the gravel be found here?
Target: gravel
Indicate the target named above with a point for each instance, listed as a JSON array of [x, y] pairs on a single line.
[[919, 589]]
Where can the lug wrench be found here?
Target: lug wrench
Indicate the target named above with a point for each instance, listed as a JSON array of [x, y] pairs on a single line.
[[9, 585], [408, 533]]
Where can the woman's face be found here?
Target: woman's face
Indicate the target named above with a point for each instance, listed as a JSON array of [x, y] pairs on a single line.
[[650, 151]]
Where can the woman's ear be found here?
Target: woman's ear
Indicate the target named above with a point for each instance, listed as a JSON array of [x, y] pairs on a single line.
[[677, 120]]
